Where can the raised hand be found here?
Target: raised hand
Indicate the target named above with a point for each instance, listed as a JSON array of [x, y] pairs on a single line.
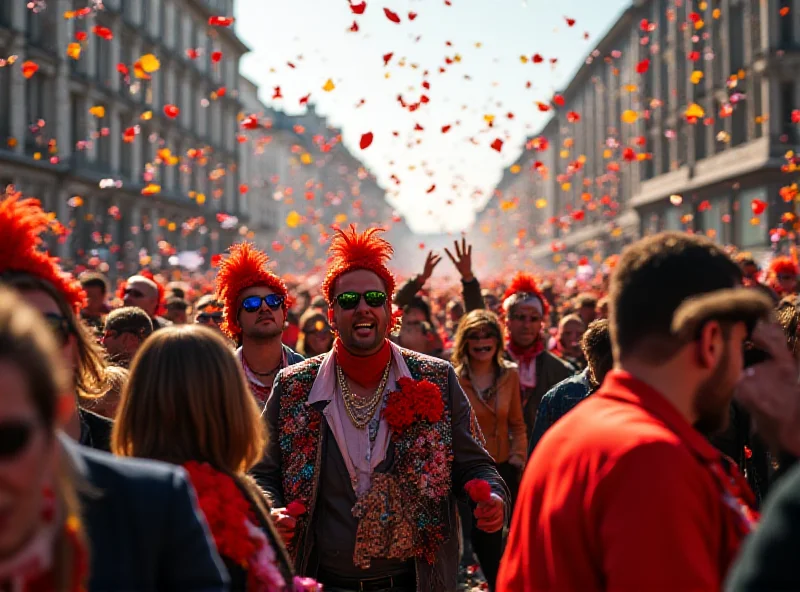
[[462, 260], [431, 261]]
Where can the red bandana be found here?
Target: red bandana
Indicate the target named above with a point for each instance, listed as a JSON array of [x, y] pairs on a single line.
[[525, 354], [366, 371]]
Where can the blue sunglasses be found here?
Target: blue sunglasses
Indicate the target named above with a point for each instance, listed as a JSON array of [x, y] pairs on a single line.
[[253, 303]]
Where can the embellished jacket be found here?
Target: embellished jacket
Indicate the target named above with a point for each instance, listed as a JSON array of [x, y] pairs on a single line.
[[290, 470]]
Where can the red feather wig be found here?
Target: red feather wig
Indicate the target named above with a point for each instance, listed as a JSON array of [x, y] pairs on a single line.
[[244, 268], [350, 250], [783, 266], [525, 283], [22, 223]]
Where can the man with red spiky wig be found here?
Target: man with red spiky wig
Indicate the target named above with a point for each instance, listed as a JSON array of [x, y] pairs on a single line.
[[782, 276], [254, 304], [525, 307], [371, 443]]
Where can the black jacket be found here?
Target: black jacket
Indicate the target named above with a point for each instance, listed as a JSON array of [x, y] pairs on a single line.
[[144, 530], [768, 560]]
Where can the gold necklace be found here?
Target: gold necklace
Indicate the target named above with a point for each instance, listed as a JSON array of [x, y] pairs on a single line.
[[361, 411]]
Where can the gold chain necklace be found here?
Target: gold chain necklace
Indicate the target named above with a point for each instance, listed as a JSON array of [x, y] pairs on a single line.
[[359, 410]]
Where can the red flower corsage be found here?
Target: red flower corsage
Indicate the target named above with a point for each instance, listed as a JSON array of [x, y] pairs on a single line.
[[478, 490], [416, 400]]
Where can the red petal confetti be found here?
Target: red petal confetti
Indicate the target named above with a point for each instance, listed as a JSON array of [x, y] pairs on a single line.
[[81, 36], [694, 56], [216, 57], [221, 91], [171, 111], [796, 116], [446, 128], [431, 189], [543, 107], [387, 57], [573, 117], [29, 68], [243, 188], [629, 154], [694, 17], [497, 144], [291, 65], [412, 16], [358, 8], [537, 58], [192, 53], [304, 100], [784, 11], [418, 128], [643, 66], [220, 21], [354, 27], [366, 140], [558, 100], [758, 206], [103, 32], [392, 16], [578, 215], [250, 123], [570, 21], [277, 93]]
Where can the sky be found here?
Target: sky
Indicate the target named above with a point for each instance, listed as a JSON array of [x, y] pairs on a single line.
[[487, 80]]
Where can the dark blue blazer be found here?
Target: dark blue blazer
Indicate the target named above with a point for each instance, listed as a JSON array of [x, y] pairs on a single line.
[[144, 530]]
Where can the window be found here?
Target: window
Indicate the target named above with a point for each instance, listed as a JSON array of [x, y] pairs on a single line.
[[103, 67], [37, 103], [755, 25], [710, 220], [77, 121], [126, 151], [736, 36], [739, 124], [41, 29], [104, 142], [788, 128], [786, 25], [749, 234]]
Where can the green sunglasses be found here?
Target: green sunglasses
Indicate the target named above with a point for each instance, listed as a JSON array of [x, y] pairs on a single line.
[[349, 300]]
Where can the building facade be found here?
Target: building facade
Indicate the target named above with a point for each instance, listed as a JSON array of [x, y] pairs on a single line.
[[87, 136], [679, 119]]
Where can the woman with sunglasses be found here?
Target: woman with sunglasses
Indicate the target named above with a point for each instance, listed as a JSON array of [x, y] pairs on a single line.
[[59, 297], [315, 337], [492, 387], [187, 403]]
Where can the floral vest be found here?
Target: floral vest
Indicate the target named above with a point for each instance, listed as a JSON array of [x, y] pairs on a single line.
[[403, 514]]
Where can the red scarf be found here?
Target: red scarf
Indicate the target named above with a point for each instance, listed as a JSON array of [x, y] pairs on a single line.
[[524, 355], [366, 371]]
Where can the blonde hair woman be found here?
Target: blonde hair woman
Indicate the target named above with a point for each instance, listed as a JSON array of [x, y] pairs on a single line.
[[492, 387], [187, 402]]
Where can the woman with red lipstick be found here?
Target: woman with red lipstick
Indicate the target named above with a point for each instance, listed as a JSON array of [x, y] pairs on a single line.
[[492, 387]]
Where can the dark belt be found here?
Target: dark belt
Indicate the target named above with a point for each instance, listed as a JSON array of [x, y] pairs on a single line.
[[404, 580]]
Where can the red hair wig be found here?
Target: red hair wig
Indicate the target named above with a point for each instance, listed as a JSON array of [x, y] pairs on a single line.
[[244, 268], [350, 250], [525, 283], [22, 222], [783, 266]]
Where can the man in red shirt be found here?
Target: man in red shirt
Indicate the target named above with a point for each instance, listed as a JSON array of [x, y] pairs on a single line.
[[624, 493]]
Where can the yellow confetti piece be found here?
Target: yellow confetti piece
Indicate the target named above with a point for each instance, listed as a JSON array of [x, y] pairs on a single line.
[[74, 51], [523, 59], [695, 110], [151, 189], [629, 116], [506, 205], [146, 116], [340, 218], [515, 169], [98, 111], [201, 198], [541, 203], [607, 153], [696, 77], [703, 5], [564, 154], [716, 13], [149, 63], [329, 86], [306, 158], [488, 118], [293, 219], [172, 226], [631, 88], [699, 24], [566, 186]]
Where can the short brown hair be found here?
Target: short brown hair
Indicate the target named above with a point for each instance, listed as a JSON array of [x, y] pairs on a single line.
[[187, 400], [596, 348], [653, 277], [476, 319]]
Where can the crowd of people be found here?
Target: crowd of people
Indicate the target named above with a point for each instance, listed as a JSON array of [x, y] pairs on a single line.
[[245, 431]]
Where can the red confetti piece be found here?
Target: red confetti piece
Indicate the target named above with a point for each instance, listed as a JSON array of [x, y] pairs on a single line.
[[276, 94], [412, 16], [570, 21], [81, 36], [216, 56], [558, 100], [418, 128], [220, 21], [171, 111], [358, 8], [543, 107], [578, 215], [643, 66], [304, 100], [192, 53], [573, 117], [354, 27], [758, 206], [103, 32], [29, 68], [221, 91], [446, 128], [497, 144], [537, 58], [796, 116], [243, 188], [250, 123], [431, 189], [694, 56], [629, 154], [387, 57], [366, 140], [392, 16], [216, 260]]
